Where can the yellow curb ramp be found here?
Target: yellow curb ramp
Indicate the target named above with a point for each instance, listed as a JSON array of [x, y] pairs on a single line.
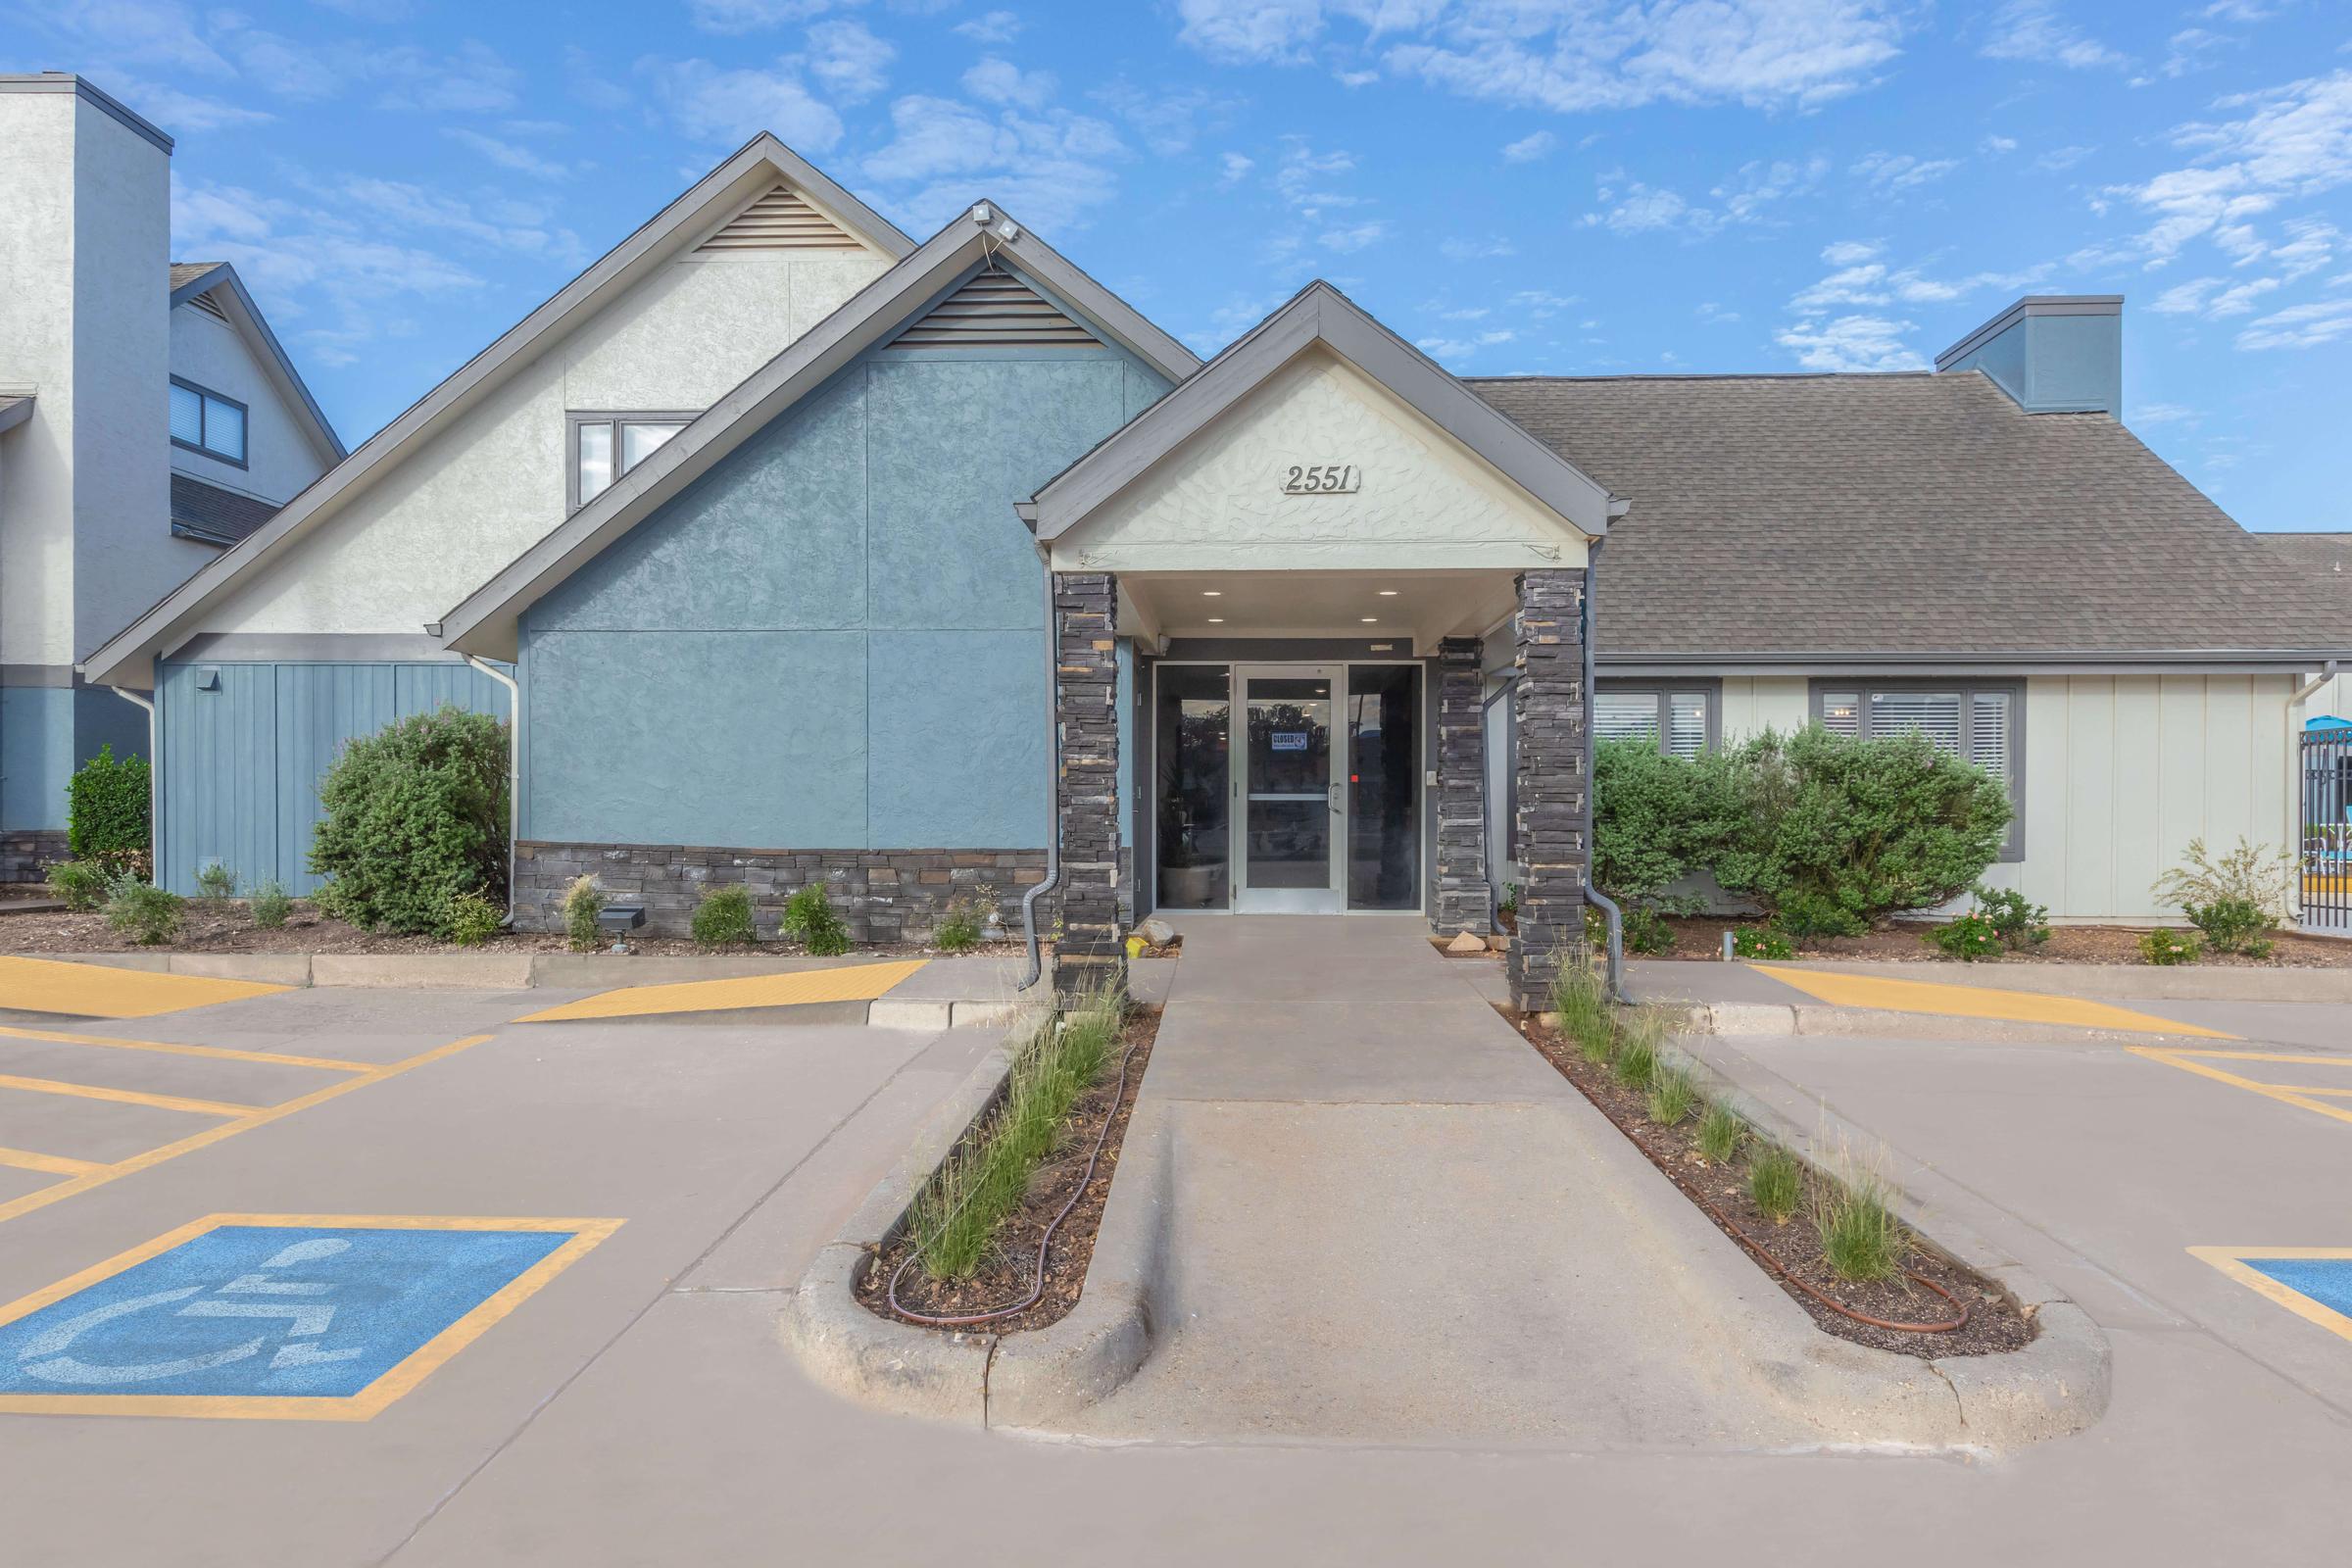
[[91, 991], [856, 982], [1977, 1002]]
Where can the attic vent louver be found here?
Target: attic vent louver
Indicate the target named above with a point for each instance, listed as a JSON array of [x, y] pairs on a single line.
[[208, 305], [780, 221], [995, 309]]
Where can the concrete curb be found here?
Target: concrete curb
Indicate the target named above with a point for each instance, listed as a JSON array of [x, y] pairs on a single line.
[[1823, 1018], [983, 1379], [2108, 982], [2057, 1385]]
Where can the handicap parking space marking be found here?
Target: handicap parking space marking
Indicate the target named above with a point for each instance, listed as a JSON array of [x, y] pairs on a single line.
[[2315, 1282], [2334, 1071], [301, 1317]]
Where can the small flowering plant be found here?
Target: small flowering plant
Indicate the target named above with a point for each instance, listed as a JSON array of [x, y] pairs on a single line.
[[2168, 948]]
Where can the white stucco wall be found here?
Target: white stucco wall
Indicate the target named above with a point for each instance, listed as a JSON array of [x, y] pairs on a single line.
[[1424, 502], [485, 487], [280, 458], [36, 354], [2121, 772]]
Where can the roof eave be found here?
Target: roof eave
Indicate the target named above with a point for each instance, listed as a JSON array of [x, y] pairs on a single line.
[[254, 327]]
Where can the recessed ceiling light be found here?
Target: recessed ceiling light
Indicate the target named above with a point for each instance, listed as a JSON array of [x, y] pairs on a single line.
[[1213, 593], [1388, 593], [1371, 620], [1217, 621]]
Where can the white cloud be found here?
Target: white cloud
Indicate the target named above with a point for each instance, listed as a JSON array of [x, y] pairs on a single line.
[[708, 103], [1048, 170], [1233, 169], [1354, 236], [1997, 145], [1250, 31], [1461, 348], [1303, 180], [507, 155], [1477, 250], [1170, 120], [2162, 414], [1530, 149], [751, 15], [989, 26], [2058, 158], [1851, 343], [1644, 210], [849, 59], [181, 113], [1893, 171], [999, 81], [1850, 252], [2212, 298], [2033, 29], [2301, 327]]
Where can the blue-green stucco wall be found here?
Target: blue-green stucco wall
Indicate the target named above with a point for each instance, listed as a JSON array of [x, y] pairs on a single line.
[[46, 732], [835, 638]]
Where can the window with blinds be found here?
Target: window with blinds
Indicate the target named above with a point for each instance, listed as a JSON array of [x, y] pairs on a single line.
[[1678, 720], [1977, 723]]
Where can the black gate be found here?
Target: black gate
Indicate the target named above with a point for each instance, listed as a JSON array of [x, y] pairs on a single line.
[[2328, 830]]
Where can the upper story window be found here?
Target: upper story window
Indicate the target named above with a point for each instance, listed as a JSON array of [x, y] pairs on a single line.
[[1681, 719], [203, 421], [603, 447]]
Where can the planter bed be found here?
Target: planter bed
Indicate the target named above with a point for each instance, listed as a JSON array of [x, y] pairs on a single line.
[[1009, 1270], [1994, 1322], [1701, 937]]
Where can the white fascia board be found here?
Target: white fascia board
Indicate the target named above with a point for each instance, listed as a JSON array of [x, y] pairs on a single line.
[[254, 327], [486, 623], [127, 658], [1321, 313]]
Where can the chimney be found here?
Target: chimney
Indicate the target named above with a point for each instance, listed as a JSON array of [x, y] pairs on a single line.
[[2053, 353]]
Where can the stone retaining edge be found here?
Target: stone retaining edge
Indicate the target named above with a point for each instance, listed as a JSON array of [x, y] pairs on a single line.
[[979, 1378], [2059, 1383]]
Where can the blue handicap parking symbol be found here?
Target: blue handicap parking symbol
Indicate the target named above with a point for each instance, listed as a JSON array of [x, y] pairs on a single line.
[[2325, 1280], [229, 1310]]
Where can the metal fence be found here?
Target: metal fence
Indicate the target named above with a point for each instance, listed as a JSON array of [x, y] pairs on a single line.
[[2328, 830]]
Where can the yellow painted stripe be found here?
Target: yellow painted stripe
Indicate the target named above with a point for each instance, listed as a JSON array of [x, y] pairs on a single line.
[[100, 991], [47, 1164], [855, 982], [173, 1047], [212, 1135], [2288, 1097], [126, 1096], [1977, 1002], [2230, 1261]]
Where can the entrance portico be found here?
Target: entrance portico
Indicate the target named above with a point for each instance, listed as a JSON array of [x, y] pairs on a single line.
[[1305, 567]]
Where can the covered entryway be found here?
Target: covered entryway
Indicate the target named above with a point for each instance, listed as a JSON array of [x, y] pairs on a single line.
[[1293, 566]]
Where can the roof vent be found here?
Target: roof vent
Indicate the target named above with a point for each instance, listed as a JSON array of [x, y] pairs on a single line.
[[780, 221], [208, 305], [995, 309]]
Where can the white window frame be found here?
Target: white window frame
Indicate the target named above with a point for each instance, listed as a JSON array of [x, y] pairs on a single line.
[[206, 397], [613, 419], [1709, 691], [2014, 850]]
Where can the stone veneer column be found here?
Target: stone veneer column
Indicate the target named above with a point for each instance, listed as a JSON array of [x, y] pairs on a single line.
[[1462, 903], [1553, 714], [1086, 691]]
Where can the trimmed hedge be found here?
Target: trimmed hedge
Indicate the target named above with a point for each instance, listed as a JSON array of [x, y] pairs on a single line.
[[107, 814], [416, 817]]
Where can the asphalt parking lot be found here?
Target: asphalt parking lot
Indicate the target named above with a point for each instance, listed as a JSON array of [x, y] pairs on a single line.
[[628, 1401]]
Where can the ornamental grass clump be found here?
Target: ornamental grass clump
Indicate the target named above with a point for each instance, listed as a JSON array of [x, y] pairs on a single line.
[[583, 902], [1776, 1181], [1861, 1239], [810, 920], [1581, 999], [1720, 1133], [1672, 1097], [724, 920], [1636, 1064], [955, 1219]]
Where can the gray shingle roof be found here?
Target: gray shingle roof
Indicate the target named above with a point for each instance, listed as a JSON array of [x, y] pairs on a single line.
[[1919, 512], [216, 516], [189, 271]]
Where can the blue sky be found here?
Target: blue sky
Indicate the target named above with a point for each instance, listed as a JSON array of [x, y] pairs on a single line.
[[1569, 186]]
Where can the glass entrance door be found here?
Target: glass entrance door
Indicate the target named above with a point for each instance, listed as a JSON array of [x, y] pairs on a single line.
[[1289, 806]]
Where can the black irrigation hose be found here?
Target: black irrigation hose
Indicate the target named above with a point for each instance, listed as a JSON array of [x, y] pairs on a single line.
[[1037, 1287]]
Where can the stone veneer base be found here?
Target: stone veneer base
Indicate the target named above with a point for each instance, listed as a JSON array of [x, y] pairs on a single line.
[[883, 894], [28, 853]]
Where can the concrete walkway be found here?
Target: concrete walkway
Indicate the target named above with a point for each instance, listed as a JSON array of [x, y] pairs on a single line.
[[1394, 1222]]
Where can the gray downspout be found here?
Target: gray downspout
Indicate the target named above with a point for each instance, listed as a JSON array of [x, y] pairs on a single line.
[[1052, 783], [513, 770], [1592, 893]]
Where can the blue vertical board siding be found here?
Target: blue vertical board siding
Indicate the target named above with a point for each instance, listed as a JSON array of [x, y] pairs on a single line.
[[242, 763], [835, 638]]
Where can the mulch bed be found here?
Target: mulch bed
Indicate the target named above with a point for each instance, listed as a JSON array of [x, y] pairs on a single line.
[[209, 929], [1994, 1322], [1010, 1268], [1701, 937]]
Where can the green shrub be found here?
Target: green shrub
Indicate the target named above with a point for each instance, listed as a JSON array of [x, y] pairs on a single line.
[[470, 920], [2233, 925], [1655, 820], [1776, 1181], [1861, 1239], [2017, 921], [1968, 939], [583, 902], [1837, 832], [959, 927], [107, 805], [216, 883], [2168, 948], [724, 920], [2251, 873], [136, 909], [1510, 901], [1646, 931], [1762, 941], [81, 883], [271, 905], [415, 816], [1672, 1097], [810, 920], [1720, 1132]]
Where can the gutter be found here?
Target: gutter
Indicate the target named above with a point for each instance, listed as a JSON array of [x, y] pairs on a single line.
[[513, 770]]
